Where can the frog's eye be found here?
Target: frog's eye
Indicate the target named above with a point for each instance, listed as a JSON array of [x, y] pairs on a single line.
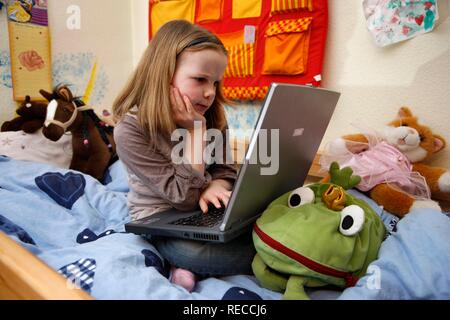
[[352, 220], [300, 196]]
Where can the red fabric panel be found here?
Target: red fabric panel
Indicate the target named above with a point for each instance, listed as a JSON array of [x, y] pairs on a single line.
[[258, 82]]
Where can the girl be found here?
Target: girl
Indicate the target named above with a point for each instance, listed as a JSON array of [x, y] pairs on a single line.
[[177, 84]]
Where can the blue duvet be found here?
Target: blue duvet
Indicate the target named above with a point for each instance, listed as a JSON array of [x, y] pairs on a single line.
[[76, 225]]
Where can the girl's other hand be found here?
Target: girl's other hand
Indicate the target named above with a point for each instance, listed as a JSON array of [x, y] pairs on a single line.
[[183, 112], [216, 192]]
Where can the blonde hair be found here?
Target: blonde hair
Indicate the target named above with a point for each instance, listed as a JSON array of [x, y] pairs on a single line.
[[149, 85]]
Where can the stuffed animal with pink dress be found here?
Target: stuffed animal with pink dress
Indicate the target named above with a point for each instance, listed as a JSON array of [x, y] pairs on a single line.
[[391, 164]]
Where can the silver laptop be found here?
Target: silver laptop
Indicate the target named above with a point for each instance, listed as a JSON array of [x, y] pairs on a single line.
[[290, 128]]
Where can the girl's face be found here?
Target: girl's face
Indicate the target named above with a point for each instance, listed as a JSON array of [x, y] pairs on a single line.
[[197, 76]]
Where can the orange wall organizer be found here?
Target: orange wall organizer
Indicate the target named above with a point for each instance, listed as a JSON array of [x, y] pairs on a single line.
[[267, 40]]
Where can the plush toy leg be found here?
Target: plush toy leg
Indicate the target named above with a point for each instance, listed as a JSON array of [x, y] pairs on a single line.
[[393, 200], [398, 202], [295, 289], [437, 178], [13, 125], [267, 278], [32, 126]]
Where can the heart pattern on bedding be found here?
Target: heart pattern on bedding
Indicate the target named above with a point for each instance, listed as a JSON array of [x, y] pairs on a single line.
[[153, 260], [12, 229], [80, 273], [87, 235], [237, 293], [64, 189], [107, 178]]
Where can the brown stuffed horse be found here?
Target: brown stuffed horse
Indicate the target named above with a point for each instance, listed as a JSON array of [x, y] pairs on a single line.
[[92, 140]]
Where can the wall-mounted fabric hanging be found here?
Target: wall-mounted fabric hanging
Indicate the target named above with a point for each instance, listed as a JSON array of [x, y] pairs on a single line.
[[29, 42], [267, 40]]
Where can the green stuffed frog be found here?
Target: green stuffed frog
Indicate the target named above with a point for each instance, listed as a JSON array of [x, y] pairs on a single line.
[[316, 235]]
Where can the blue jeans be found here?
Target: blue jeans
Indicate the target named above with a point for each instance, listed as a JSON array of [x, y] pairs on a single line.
[[208, 259]]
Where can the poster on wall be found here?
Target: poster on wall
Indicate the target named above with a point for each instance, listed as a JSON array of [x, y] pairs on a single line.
[[267, 40], [29, 43]]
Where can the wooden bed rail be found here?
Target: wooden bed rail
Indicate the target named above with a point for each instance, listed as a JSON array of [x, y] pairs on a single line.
[[238, 148], [23, 276]]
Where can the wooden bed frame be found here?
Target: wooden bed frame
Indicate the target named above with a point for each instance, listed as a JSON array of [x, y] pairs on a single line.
[[24, 276]]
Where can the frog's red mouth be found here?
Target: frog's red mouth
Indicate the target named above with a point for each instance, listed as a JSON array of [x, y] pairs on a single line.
[[350, 279]]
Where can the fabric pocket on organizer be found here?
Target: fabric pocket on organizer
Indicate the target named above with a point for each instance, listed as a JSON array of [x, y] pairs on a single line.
[[246, 9], [209, 10], [287, 45], [167, 10], [241, 52], [283, 6]]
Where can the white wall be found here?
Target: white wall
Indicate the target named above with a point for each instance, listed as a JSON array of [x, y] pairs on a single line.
[[106, 26], [105, 36], [375, 81], [139, 12]]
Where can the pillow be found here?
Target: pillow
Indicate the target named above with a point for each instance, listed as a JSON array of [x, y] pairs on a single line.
[[37, 148]]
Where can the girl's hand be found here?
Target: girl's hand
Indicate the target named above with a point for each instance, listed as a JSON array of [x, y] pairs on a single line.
[[216, 192], [183, 112]]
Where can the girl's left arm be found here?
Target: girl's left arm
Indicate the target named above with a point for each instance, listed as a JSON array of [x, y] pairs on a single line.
[[225, 169], [223, 175]]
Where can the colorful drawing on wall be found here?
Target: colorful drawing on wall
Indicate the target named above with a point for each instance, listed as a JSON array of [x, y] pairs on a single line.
[[267, 40], [392, 21], [83, 74], [29, 41], [5, 70], [31, 60], [7, 105]]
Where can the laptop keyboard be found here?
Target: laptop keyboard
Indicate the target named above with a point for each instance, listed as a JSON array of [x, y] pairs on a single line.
[[210, 219]]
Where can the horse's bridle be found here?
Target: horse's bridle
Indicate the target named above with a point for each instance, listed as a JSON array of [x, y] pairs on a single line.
[[51, 111]]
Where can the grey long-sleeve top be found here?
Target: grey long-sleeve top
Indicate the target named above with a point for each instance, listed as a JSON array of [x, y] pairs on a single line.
[[156, 183]]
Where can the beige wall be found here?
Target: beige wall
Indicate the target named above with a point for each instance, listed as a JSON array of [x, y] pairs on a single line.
[[139, 10], [375, 81], [106, 26], [106, 35]]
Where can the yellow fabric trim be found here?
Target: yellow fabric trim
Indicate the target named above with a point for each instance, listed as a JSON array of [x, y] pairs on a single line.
[[164, 11], [281, 6], [240, 62], [246, 9]]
